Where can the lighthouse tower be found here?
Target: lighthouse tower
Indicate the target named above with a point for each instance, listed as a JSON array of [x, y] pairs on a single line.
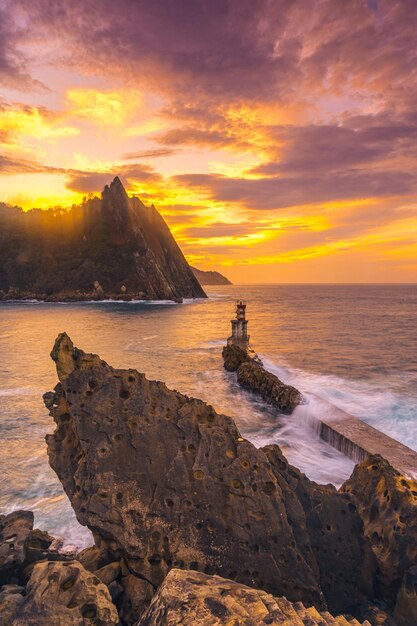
[[240, 335]]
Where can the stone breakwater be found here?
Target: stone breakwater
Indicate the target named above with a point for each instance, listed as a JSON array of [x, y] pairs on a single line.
[[194, 525], [342, 431], [252, 376]]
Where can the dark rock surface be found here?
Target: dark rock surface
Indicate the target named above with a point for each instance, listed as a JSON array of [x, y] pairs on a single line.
[[335, 530], [387, 503], [233, 357], [15, 533], [11, 597], [113, 247], [405, 612], [210, 277], [195, 599], [251, 375], [63, 594], [21, 546], [255, 378], [167, 482]]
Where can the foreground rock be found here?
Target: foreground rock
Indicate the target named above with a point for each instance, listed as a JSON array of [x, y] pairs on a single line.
[[195, 599], [335, 530], [21, 546], [63, 594], [251, 375], [387, 503], [164, 481]]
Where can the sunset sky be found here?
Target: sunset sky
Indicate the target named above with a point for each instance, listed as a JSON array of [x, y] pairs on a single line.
[[278, 138]]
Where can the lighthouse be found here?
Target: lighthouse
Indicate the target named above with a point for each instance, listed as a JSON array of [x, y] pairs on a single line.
[[239, 335]]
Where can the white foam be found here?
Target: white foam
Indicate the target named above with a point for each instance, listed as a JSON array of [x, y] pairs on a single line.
[[333, 396]]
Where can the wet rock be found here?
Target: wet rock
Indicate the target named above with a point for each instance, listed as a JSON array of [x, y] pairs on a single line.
[[335, 531], [387, 503], [65, 594], [166, 482], [233, 357], [255, 378], [136, 597], [251, 375], [15, 533], [195, 599], [405, 612]]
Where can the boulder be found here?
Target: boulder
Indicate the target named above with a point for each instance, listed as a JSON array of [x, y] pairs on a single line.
[[165, 481], [21, 546], [195, 599], [387, 503], [64, 594], [15, 533]]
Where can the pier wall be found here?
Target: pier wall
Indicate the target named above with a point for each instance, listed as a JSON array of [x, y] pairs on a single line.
[[357, 440]]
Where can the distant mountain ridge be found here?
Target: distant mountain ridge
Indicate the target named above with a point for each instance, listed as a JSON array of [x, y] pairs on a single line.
[[210, 277], [108, 247]]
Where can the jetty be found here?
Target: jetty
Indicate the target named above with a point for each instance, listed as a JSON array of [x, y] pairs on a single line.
[[357, 440], [348, 434]]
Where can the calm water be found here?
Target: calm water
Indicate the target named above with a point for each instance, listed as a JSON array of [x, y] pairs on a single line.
[[355, 347]]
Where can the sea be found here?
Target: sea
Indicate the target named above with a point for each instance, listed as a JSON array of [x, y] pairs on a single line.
[[349, 347]]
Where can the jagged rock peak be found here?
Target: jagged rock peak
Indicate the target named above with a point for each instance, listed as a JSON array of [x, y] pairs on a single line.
[[116, 205], [68, 358], [116, 187]]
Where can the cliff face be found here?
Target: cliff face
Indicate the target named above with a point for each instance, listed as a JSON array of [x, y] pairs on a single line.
[[113, 247], [210, 278]]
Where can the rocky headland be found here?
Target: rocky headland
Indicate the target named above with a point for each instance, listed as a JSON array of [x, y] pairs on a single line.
[[205, 277], [113, 247], [194, 525]]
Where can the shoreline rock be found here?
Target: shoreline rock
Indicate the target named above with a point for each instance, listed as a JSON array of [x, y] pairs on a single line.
[[251, 375], [82, 297], [167, 482], [195, 599]]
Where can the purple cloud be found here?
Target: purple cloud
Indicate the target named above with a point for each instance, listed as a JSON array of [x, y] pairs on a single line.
[[280, 192]]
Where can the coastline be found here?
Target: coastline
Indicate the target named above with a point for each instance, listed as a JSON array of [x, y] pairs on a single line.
[[195, 466]]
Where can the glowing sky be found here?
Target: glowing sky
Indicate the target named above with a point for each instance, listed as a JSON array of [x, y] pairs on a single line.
[[277, 137]]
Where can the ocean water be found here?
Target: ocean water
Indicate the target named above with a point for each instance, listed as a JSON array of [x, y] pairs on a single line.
[[346, 346]]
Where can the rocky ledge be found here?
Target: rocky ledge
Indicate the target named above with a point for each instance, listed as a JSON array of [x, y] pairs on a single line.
[[251, 375], [176, 499]]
